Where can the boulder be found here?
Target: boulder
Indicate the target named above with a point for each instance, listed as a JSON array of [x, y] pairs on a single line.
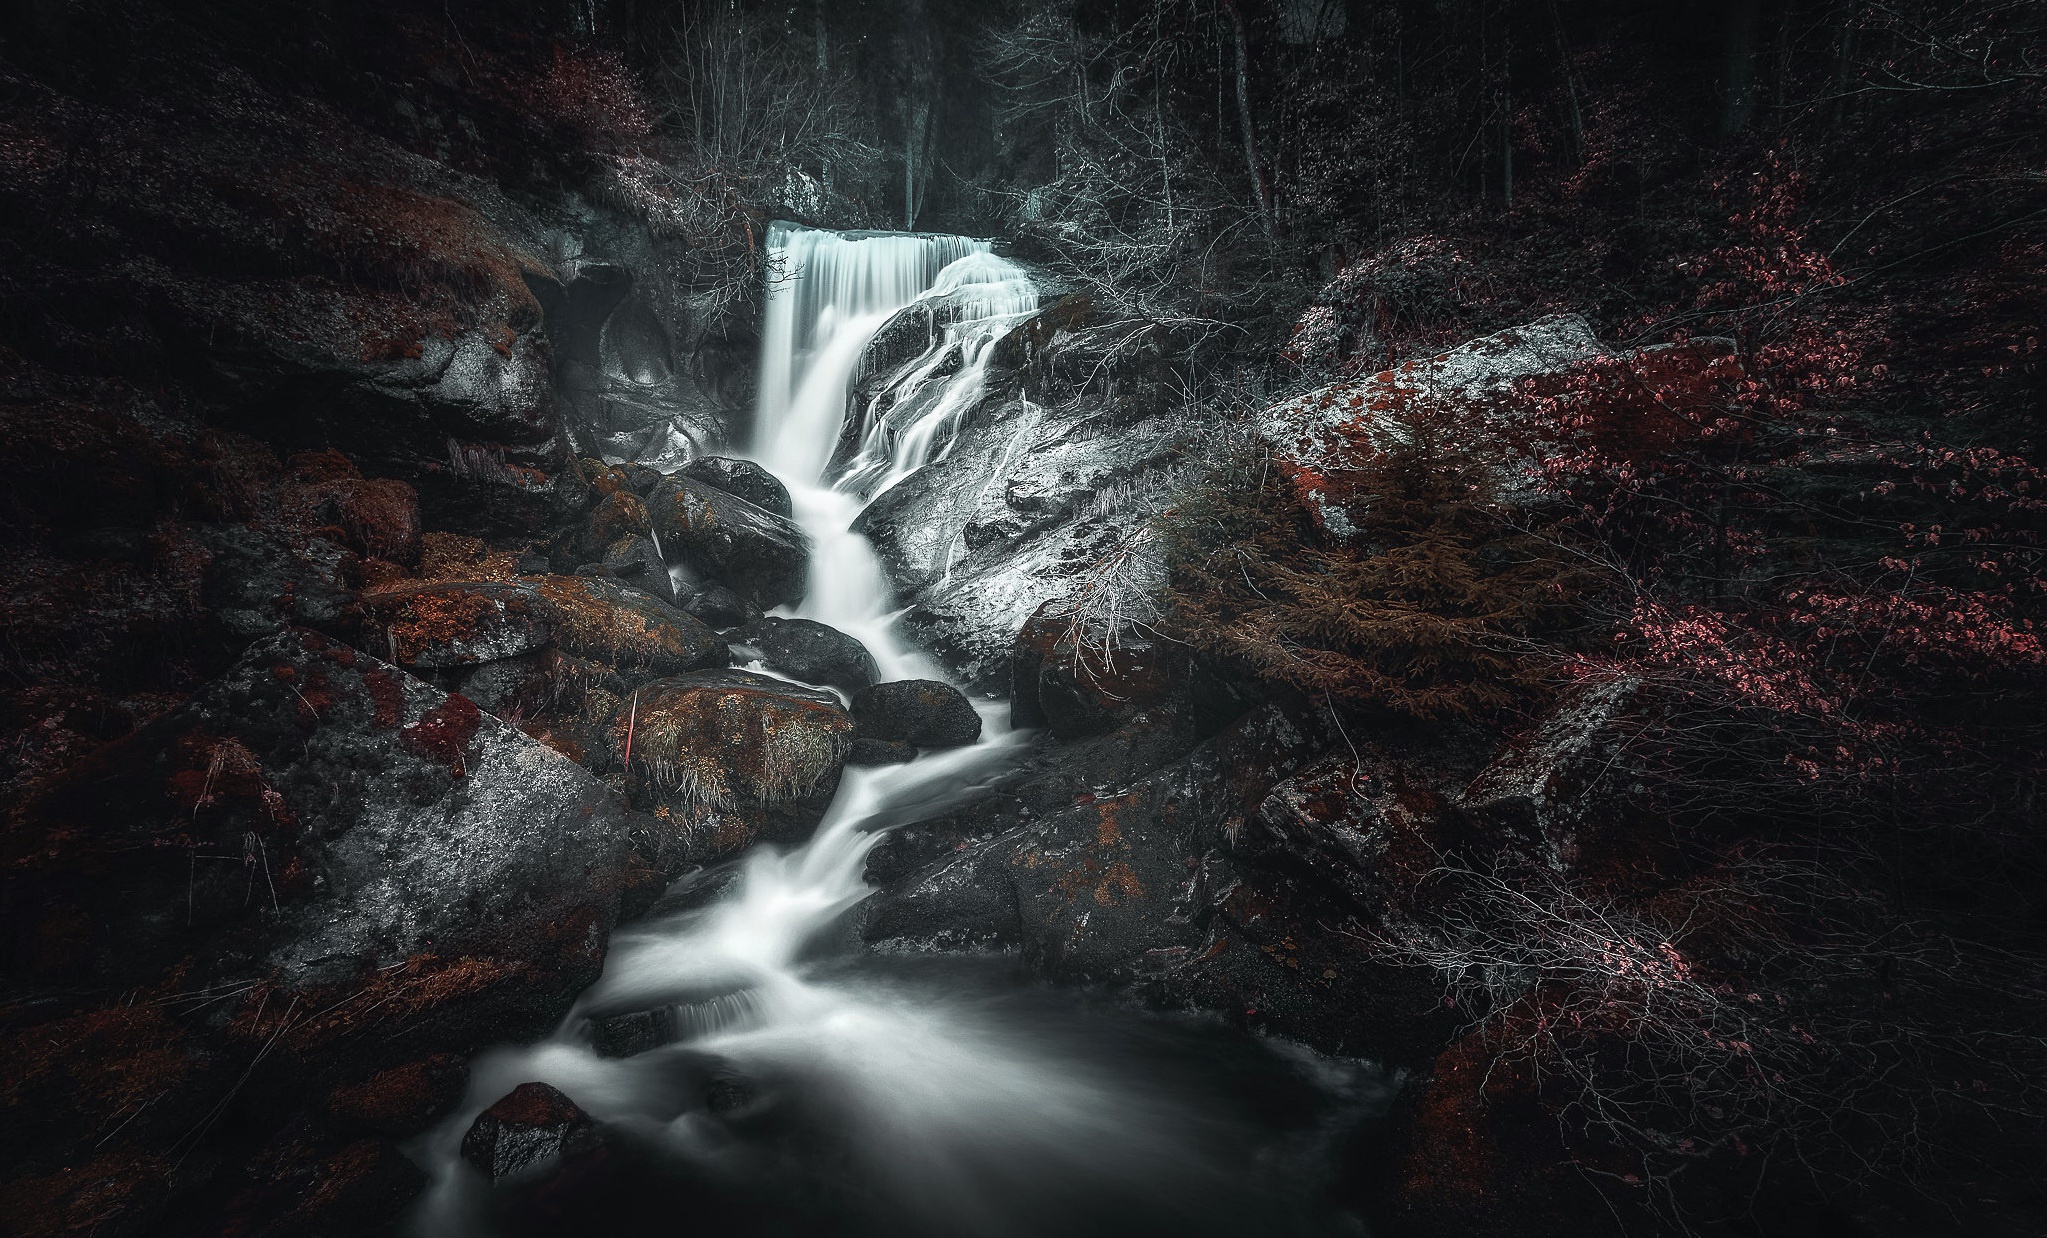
[[532, 1127], [640, 635], [720, 607], [923, 712], [257, 582], [881, 752], [1079, 687], [728, 757], [744, 478], [460, 622], [761, 556], [1476, 388], [810, 651], [618, 514], [636, 560], [315, 814]]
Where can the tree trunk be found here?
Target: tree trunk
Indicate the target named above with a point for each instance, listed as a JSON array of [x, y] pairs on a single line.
[[1741, 66], [1260, 190]]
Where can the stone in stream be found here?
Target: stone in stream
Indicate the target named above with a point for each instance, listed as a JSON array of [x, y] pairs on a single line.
[[923, 712], [881, 752], [744, 478], [758, 554], [533, 1126], [728, 757], [720, 607], [811, 651]]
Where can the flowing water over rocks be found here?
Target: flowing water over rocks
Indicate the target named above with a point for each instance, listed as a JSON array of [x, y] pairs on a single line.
[[749, 1063]]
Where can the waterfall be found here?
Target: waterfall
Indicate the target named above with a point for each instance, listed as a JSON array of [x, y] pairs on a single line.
[[949, 1114], [829, 293]]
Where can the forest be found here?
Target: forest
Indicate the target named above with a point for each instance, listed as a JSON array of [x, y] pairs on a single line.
[[1023, 617]]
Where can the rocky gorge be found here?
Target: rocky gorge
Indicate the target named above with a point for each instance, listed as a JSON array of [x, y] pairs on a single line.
[[531, 712]]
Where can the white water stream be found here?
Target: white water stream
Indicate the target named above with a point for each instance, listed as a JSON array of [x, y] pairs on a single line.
[[942, 1106]]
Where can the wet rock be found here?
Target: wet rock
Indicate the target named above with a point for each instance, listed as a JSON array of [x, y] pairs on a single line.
[[640, 478], [1562, 788], [460, 622], [258, 582], [867, 751], [810, 651], [620, 514], [635, 632], [378, 516], [761, 556], [721, 607], [1028, 505], [923, 712], [744, 478], [623, 1035], [637, 561], [1332, 426], [533, 1126], [731, 757]]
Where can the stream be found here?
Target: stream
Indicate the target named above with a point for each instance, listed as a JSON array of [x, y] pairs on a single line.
[[814, 1087]]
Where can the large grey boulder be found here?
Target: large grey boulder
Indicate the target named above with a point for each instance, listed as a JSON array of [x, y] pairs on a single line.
[[763, 557]]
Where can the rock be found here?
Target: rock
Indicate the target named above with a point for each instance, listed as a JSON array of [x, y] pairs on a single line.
[[1078, 687], [532, 563], [637, 561], [257, 583], [1028, 505], [1473, 385], [640, 478], [1562, 788], [923, 712], [744, 478], [511, 689], [761, 556], [619, 514], [379, 517], [533, 1126], [720, 607], [881, 752], [371, 820], [638, 634], [623, 1035], [733, 757], [402, 1100], [810, 651], [460, 622]]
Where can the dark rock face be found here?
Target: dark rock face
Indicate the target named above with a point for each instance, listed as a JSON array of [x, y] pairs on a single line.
[[384, 819], [729, 757], [635, 633], [721, 607], [760, 556], [744, 478], [1079, 688], [534, 1126], [923, 712], [257, 583], [461, 622], [811, 651]]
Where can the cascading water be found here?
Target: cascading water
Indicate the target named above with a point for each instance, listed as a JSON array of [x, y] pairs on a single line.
[[885, 1095]]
